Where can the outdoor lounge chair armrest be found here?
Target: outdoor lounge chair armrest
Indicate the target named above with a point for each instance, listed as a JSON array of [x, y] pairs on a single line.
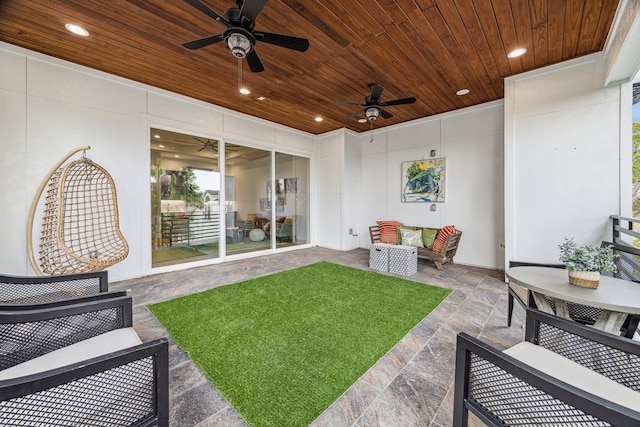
[[27, 334], [68, 309], [512, 377], [33, 289], [573, 332], [63, 303], [110, 374]]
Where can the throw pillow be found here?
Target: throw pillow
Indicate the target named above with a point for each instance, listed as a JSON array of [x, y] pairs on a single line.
[[442, 236], [399, 231], [388, 232], [428, 236], [412, 238]]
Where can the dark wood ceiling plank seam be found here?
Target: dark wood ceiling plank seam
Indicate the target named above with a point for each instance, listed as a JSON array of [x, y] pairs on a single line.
[[489, 25], [538, 14], [522, 21], [573, 20], [506, 26], [556, 13], [477, 38], [460, 48]]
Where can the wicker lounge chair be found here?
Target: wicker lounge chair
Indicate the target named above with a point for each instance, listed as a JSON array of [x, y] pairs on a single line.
[[563, 374], [79, 362]]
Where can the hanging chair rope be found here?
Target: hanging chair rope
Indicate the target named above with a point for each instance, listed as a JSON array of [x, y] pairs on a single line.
[[80, 227]]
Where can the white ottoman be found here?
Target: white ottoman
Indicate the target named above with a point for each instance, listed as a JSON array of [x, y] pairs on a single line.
[[379, 256], [403, 260]]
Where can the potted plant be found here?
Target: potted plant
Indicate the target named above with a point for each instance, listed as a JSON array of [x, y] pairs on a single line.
[[586, 262]]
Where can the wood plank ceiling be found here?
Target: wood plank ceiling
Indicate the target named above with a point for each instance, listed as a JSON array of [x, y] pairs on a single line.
[[424, 48]]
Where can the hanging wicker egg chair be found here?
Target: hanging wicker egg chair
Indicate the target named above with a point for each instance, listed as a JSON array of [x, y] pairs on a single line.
[[80, 227]]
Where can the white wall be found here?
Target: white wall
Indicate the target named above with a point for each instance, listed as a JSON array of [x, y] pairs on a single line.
[[330, 155], [471, 140], [49, 107], [351, 190], [563, 158]]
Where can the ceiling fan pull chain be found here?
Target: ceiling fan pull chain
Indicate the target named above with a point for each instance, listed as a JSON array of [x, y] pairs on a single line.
[[239, 74]]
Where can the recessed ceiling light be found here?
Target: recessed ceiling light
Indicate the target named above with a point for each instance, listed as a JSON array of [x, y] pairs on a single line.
[[362, 120], [462, 92], [176, 156], [244, 91], [77, 30], [318, 119], [156, 136], [160, 145], [517, 52], [261, 98]]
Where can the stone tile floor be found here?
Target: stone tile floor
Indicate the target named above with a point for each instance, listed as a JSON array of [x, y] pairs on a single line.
[[412, 385]]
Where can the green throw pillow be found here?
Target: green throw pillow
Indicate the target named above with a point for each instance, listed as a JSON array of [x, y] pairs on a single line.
[[412, 238], [399, 231], [428, 236]]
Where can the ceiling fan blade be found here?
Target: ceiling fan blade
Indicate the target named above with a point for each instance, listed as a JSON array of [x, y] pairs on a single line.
[[401, 101], [252, 8], [202, 42], [376, 92], [385, 114], [255, 65], [337, 101], [207, 11], [290, 42], [351, 116]]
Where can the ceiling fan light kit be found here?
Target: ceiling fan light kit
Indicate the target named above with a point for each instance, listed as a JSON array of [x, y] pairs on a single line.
[[239, 45], [372, 113]]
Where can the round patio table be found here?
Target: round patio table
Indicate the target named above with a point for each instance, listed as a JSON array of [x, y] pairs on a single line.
[[617, 298]]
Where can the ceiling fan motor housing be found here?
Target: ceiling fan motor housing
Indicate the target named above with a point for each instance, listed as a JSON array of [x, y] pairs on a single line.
[[239, 41], [372, 113]]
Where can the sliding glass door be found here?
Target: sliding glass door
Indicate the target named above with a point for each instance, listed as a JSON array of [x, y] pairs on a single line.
[[291, 200], [246, 171], [261, 203], [185, 198]]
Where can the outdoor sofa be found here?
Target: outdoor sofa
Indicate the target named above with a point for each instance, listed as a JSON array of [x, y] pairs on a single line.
[[446, 250]]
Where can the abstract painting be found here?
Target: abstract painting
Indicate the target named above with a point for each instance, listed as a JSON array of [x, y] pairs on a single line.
[[423, 180]]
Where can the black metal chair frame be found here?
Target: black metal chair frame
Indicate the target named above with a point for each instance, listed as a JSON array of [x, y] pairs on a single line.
[[628, 268], [41, 289], [64, 396], [506, 379]]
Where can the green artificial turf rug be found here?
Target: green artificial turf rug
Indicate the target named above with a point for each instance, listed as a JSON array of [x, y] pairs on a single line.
[[282, 348]]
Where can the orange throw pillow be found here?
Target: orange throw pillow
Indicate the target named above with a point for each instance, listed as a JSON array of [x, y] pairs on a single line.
[[388, 233], [442, 236]]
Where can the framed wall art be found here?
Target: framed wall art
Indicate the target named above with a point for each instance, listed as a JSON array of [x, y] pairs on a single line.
[[423, 181]]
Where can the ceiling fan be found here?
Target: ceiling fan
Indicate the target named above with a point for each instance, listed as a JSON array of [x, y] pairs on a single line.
[[213, 145], [373, 105], [240, 36]]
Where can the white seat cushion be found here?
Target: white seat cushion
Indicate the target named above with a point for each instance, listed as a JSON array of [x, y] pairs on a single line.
[[574, 374], [106, 343]]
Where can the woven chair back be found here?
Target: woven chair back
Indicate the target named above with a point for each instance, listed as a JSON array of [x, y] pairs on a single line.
[[80, 228]]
